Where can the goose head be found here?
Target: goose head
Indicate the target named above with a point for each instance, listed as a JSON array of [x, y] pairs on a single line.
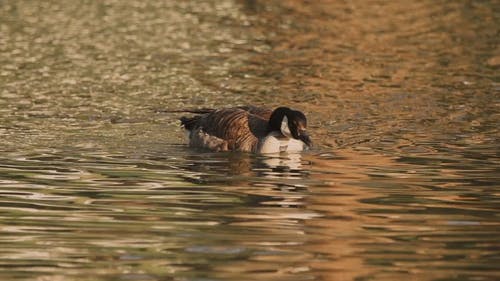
[[291, 124]]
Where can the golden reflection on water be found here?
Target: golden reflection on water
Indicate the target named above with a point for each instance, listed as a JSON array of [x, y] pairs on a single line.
[[382, 71], [96, 183]]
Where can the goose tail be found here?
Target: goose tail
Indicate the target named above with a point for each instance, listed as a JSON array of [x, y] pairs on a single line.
[[189, 123]]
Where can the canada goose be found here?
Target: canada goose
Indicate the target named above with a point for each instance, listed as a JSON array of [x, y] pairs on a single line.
[[247, 128]]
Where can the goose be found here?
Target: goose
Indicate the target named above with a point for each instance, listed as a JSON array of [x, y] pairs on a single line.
[[247, 129]]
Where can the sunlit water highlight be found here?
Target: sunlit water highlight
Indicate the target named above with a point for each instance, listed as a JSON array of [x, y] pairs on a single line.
[[96, 182]]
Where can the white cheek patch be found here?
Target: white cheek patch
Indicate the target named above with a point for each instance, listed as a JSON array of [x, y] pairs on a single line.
[[285, 130]]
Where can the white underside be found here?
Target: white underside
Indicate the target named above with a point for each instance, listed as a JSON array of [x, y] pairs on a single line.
[[275, 142], [198, 138]]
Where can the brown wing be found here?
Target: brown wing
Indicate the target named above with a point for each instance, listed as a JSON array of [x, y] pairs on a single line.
[[239, 126], [261, 112]]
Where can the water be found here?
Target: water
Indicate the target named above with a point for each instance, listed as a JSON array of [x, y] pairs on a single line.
[[96, 182]]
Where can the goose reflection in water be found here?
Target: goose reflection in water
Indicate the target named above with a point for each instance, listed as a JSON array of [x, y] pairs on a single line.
[[242, 167], [287, 166]]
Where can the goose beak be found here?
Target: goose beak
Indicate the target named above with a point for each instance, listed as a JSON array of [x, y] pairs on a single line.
[[306, 139]]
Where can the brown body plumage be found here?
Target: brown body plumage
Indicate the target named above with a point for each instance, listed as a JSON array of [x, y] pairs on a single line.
[[237, 128], [247, 128]]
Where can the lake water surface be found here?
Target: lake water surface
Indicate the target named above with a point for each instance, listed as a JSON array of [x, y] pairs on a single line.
[[403, 102]]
